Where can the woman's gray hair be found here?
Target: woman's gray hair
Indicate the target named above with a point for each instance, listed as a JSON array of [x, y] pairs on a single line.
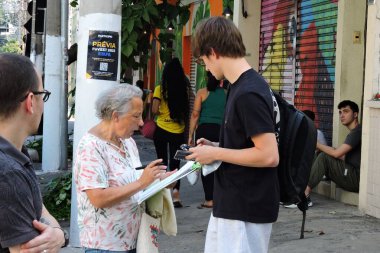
[[116, 99]]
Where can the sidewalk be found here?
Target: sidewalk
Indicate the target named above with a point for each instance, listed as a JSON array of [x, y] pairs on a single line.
[[330, 226]]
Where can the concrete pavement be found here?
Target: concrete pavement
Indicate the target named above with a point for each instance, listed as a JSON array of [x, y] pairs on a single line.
[[330, 226]]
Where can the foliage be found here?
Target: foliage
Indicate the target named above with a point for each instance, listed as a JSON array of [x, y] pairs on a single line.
[[37, 145], [202, 13], [57, 198], [141, 19], [11, 46]]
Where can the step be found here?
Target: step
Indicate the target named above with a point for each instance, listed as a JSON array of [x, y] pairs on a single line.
[[351, 198], [330, 190]]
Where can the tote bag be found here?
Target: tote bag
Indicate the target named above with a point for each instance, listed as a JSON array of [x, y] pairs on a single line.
[[148, 233]]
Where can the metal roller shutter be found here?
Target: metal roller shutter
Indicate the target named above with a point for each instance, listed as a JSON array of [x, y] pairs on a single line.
[[276, 53], [315, 61], [297, 54]]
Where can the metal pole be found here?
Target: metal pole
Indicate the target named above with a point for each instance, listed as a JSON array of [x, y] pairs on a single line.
[[54, 148]]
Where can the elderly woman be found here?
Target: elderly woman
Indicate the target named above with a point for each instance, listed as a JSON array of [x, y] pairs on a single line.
[[107, 183]]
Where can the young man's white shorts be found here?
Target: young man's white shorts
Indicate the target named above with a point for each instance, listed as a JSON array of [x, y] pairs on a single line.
[[226, 236]]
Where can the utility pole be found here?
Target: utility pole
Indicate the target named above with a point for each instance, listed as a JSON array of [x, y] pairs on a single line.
[[99, 21], [54, 148]]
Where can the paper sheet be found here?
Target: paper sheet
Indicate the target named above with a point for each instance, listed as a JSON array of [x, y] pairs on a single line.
[[157, 186]]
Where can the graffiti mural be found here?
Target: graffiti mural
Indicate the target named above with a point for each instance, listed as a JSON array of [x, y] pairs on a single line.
[[297, 54]]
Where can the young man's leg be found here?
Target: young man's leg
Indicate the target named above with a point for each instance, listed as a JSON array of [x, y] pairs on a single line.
[[347, 178], [225, 236], [325, 165]]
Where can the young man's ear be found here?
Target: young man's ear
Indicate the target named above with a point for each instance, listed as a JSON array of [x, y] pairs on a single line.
[[28, 105]]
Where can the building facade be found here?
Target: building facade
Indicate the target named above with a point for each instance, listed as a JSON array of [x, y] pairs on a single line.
[[315, 53]]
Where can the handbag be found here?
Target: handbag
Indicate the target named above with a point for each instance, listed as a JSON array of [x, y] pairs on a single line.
[[149, 127], [148, 232]]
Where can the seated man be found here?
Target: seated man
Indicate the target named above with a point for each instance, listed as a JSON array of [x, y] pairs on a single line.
[[342, 164]]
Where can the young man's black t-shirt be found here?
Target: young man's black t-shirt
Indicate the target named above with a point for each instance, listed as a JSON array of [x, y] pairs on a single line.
[[246, 193]]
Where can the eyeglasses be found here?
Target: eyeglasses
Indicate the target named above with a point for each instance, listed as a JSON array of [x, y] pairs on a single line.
[[200, 61], [45, 98]]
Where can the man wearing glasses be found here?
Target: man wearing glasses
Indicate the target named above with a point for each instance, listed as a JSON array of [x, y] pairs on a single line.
[[246, 190], [25, 224]]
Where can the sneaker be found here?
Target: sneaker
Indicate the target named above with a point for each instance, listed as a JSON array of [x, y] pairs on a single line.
[[292, 206], [309, 202]]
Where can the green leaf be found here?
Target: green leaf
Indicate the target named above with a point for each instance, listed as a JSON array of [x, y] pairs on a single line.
[[146, 16], [74, 3], [127, 50], [129, 25], [152, 10], [62, 196]]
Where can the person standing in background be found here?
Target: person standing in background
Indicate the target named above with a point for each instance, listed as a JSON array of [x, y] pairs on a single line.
[[208, 114], [171, 105]]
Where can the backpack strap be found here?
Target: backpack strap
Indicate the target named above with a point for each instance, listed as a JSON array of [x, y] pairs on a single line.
[[276, 116]]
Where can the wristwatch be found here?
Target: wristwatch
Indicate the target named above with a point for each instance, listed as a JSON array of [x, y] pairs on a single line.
[[65, 235]]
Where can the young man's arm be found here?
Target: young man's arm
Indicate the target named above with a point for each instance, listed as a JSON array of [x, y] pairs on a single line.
[[264, 154], [51, 238], [337, 153]]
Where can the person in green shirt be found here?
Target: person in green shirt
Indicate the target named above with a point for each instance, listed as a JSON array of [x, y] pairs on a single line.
[[206, 119]]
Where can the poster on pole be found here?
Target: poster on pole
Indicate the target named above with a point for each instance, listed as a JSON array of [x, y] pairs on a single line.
[[103, 53]]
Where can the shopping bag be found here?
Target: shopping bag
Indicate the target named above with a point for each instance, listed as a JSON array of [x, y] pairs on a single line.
[[148, 234]]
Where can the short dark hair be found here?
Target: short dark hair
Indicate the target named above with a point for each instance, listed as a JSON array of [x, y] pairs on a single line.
[[17, 77], [310, 114], [219, 34], [140, 84], [354, 106]]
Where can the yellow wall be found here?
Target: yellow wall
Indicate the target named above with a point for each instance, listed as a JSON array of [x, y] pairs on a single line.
[[349, 60], [249, 28], [369, 196]]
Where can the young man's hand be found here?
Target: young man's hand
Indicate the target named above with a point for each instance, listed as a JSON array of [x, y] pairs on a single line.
[[49, 241]]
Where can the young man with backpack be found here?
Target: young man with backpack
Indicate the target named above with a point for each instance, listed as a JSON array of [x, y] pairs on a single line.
[[341, 164], [246, 189]]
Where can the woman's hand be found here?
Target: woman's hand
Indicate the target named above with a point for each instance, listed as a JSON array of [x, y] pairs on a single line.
[[153, 171]]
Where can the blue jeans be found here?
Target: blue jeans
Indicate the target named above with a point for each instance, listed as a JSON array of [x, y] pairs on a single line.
[[89, 250]]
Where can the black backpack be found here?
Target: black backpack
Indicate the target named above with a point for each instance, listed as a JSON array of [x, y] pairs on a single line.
[[297, 137]]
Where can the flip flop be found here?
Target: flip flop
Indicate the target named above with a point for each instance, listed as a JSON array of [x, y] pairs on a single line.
[[201, 206], [177, 204]]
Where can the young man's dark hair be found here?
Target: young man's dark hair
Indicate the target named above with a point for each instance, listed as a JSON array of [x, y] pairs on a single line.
[[310, 114], [354, 106], [219, 34], [17, 77]]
